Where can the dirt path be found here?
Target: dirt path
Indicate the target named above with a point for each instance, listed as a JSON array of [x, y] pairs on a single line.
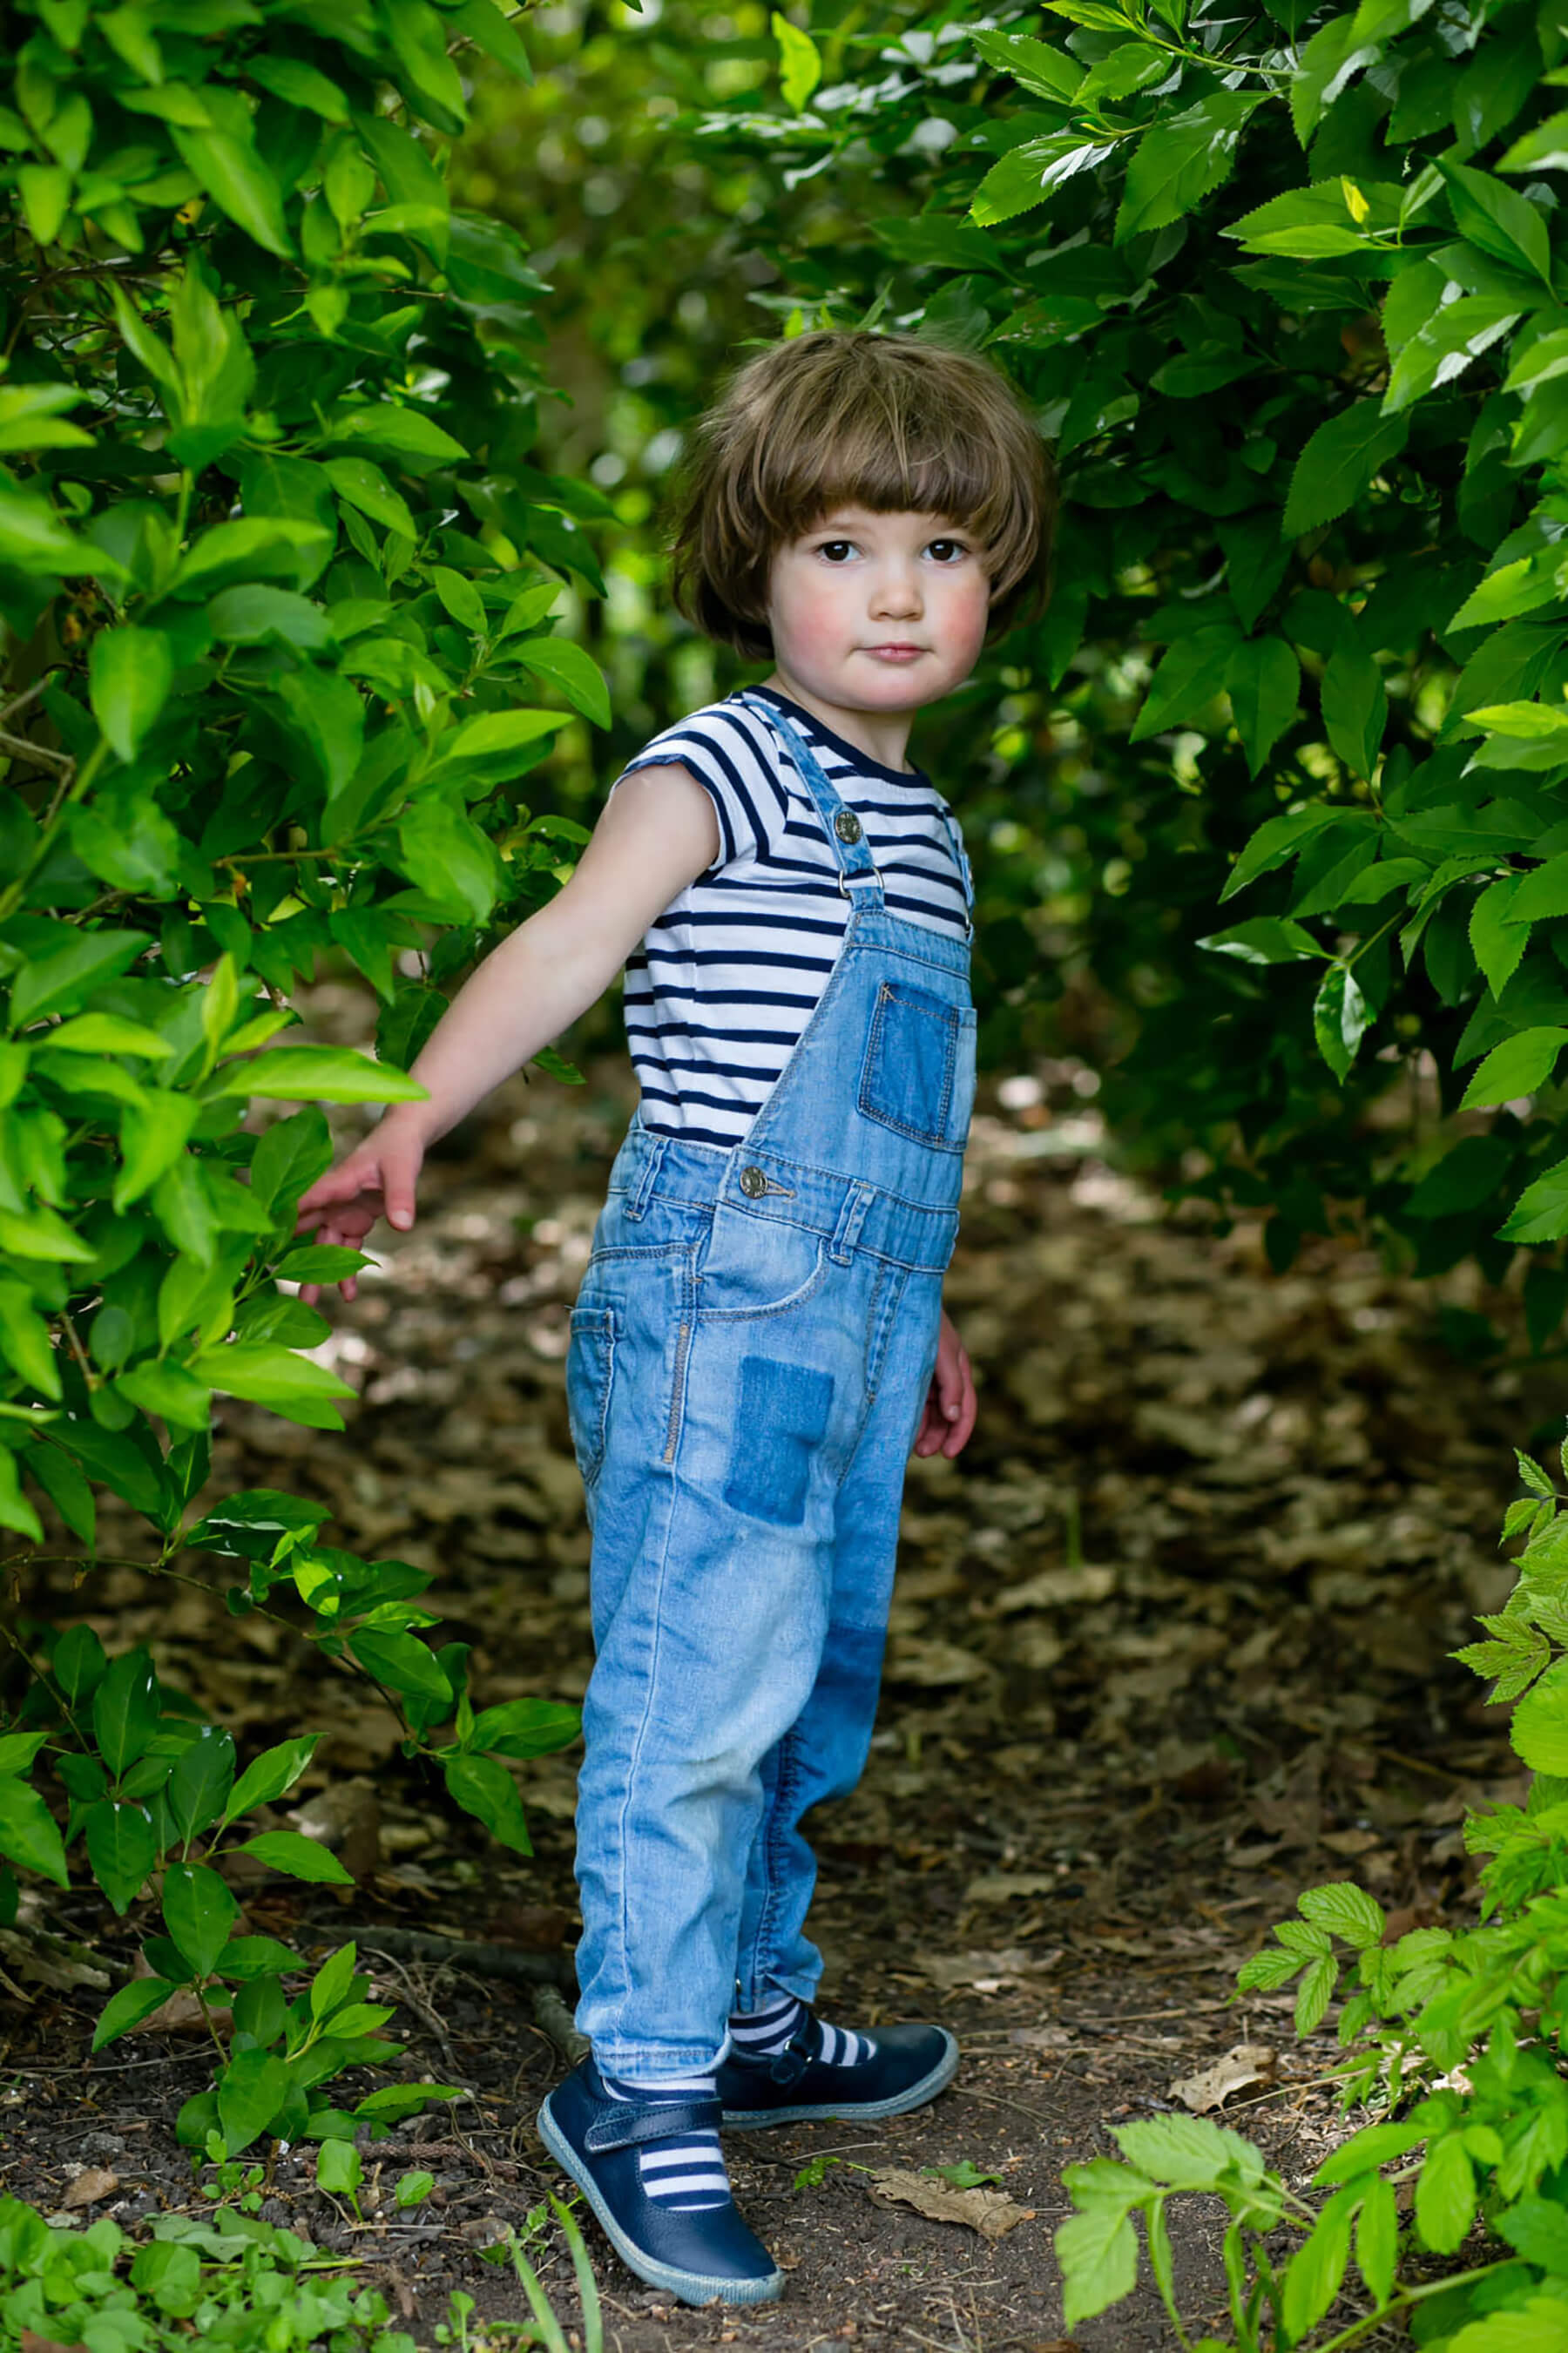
[[1169, 1645]]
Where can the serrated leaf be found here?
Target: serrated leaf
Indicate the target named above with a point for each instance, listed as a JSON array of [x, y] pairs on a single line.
[[1340, 1019]]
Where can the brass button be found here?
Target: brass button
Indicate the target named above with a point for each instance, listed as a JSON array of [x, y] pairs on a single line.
[[752, 1183], [846, 826]]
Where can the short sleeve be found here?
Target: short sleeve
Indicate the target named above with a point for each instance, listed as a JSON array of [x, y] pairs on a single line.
[[731, 755]]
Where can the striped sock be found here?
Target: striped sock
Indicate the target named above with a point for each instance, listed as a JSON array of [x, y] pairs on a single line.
[[686, 2171], [760, 2033]]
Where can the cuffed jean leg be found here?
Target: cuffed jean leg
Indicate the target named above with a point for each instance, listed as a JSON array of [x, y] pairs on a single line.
[[823, 1752], [708, 1654]]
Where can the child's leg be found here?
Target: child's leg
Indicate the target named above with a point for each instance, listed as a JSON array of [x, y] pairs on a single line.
[[713, 1560], [823, 1754]]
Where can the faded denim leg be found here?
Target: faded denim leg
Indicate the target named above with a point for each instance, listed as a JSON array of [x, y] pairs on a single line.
[[712, 1575], [823, 1752]]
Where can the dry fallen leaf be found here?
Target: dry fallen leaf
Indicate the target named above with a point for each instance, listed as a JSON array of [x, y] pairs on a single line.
[[1243, 2069], [985, 1970], [32, 2342], [93, 2182], [183, 2014], [986, 2211], [1002, 1886]]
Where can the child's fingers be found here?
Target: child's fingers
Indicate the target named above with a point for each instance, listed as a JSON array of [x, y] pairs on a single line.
[[400, 1166], [959, 1415]]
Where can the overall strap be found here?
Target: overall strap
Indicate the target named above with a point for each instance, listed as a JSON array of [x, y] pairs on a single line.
[[845, 835]]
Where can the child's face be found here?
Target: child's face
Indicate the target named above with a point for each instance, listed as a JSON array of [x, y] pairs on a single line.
[[879, 612]]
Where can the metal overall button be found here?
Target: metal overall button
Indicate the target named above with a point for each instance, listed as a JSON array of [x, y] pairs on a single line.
[[846, 826], [752, 1183]]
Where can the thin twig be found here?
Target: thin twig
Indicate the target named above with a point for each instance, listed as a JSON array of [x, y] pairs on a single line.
[[20, 748]]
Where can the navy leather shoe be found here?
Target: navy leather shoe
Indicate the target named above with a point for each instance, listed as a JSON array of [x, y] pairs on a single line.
[[703, 2256], [909, 2066]]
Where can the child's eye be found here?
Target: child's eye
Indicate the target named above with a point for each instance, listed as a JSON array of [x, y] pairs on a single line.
[[831, 548], [944, 548]]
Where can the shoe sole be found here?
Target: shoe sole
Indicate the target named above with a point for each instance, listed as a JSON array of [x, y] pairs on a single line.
[[691, 2287], [853, 2112]]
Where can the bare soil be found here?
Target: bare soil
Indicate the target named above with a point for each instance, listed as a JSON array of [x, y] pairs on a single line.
[[1170, 1644]]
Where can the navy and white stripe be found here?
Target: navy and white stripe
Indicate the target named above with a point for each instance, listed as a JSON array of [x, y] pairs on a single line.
[[684, 2171], [764, 2032], [723, 984]]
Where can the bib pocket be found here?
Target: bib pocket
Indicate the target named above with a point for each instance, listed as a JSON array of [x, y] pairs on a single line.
[[590, 1377], [917, 1077]]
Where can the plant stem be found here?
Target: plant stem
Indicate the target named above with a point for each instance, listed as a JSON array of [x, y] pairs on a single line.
[[1402, 2303]]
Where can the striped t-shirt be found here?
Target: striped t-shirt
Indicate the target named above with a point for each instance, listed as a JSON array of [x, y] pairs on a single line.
[[722, 986]]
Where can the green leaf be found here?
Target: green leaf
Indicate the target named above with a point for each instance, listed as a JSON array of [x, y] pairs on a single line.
[[297, 84], [1340, 1019], [317, 1074], [271, 1375], [411, 2189], [338, 2168], [1444, 2196], [1034, 65], [453, 865], [1265, 940], [1316, 2270], [1192, 672], [24, 1343], [29, 1836], [1345, 1911], [121, 1850], [153, 1136], [239, 184], [1097, 2253], [198, 1787], [524, 1727], [573, 670], [1262, 682], [1497, 219], [61, 982], [251, 612], [800, 65], [495, 737], [1355, 704], [130, 671], [1541, 1212], [1498, 941], [401, 1662], [325, 717], [1315, 1993], [199, 1913], [268, 1776], [107, 1033], [125, 1710], [1178, 163], [414, 439], [1521, 1066], [251, 2093], [1324, 67], [485, 1790], [1027, 175], [365, 488], [1544, 149], [1373, 2146], [128, 2007], [1539, 1726], [62, 1481], [299, 1857], [1338, 462]]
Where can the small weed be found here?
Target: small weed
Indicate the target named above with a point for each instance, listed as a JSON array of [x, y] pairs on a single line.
[[964, 2175]]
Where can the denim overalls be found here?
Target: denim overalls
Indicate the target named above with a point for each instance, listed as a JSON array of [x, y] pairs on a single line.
[[751, 1353]]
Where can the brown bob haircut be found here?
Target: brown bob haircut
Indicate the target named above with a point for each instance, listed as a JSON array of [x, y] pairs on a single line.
[[842, 417]]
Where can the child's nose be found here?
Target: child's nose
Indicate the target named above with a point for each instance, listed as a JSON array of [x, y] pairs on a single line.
[[897, 590]]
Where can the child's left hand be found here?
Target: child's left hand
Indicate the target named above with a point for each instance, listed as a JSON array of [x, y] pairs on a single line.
[[950, 1408]]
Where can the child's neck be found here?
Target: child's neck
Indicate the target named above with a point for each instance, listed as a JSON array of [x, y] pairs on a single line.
[[882, 735]]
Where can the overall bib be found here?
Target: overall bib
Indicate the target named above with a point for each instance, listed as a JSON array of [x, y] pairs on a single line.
[[751, 1353]]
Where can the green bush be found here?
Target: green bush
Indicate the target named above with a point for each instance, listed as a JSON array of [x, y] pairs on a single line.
[[1285, 286], [277, 576], [1454, 2038]]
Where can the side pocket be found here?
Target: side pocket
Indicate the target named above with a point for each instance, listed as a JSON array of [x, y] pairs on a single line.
[[917, 1077], [590, 1376]]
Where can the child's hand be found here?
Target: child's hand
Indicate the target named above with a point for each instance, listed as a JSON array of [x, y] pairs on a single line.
[[378, 1178], [950, 1408]]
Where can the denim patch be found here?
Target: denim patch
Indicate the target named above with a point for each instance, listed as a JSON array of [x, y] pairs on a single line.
[[780, 1419], [917, 1077]]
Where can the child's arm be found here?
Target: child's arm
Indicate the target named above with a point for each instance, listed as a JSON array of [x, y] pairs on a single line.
[[658, 833]]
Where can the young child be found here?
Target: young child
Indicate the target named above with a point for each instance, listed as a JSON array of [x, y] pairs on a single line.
[[759, 1340]]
